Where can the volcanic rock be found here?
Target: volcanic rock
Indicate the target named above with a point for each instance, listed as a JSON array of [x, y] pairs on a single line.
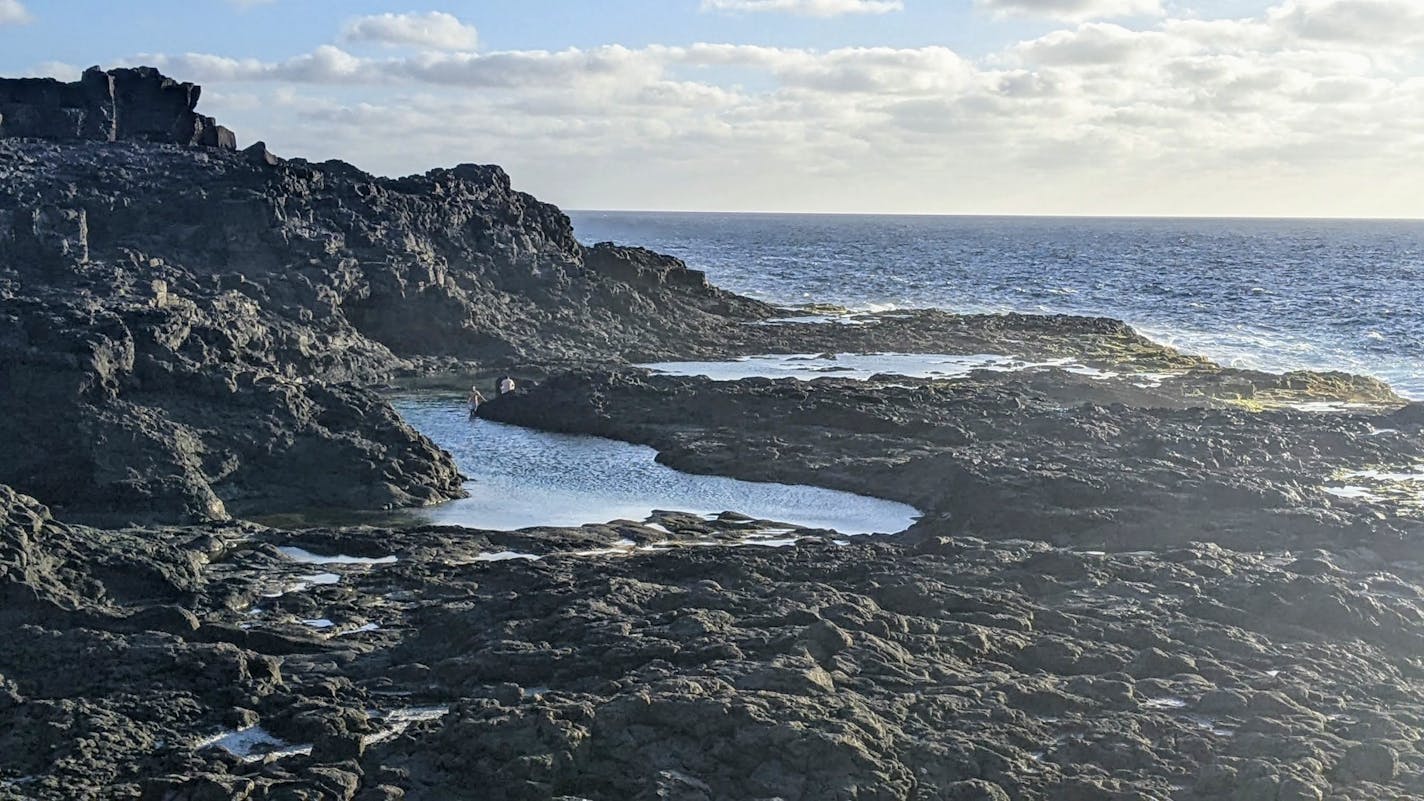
[[137, 104]]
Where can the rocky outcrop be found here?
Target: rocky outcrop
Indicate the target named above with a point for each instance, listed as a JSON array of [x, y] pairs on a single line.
[[191, 332], [205, 662], [138, 104], [1048, 454], [171, 319]]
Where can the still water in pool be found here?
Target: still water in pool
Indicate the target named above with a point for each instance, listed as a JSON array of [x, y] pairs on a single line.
[[520, 477]]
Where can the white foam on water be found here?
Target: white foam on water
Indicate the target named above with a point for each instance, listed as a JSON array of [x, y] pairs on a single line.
[[251, 744], [363, 629], [306, 557], [1165, 702], [319, 623]]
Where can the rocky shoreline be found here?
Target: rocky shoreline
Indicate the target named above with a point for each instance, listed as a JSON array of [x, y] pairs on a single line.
[[1150, 578]]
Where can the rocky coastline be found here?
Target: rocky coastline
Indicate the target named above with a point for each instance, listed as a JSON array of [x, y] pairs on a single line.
[[1139, 575]]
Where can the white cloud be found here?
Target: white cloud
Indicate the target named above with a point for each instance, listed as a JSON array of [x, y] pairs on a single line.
[[13, 12], [1362, 22], [809, 8], [1096, 43], [1073, 10], [1255, 115], [435, 30], [58, 70]]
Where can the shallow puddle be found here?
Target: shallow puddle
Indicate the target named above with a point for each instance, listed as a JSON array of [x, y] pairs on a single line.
[[306, 557], [1400, 487], [251, 744], [521, 478]]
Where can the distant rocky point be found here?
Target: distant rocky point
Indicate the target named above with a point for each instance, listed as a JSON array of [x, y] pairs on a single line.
[[138, 104]]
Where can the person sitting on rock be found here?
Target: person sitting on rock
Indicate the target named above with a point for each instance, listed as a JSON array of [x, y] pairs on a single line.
[[475, 400], [505, 385]]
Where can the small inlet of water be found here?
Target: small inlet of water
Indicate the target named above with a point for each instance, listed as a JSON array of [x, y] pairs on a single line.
[[521, 478]]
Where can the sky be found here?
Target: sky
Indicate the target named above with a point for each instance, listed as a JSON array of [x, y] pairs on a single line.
[[1093, 107]]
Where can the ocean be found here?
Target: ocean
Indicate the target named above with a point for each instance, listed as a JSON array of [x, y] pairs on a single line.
[[1267, 294]]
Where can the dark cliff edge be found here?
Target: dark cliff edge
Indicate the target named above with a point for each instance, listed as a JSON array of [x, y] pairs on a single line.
[[185, 328], [137, 104]]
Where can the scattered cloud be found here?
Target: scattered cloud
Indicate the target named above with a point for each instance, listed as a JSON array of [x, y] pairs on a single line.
[[1360, 22], [55, 69], [809, 8], [1175, 116], [1096, 43], [1073, 10], [434, 30], [13, 12]]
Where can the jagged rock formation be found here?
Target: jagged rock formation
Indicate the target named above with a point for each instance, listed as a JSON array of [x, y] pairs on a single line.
[[954, 668], [169, 316], [138, 104], [187, 332], [1048, 454]]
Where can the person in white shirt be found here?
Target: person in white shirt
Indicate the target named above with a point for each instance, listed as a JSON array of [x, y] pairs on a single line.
[[505, 385]]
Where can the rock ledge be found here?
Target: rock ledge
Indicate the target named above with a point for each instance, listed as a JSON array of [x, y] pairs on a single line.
[[138, 104]]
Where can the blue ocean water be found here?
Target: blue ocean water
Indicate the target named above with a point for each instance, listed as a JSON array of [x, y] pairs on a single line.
[[1268, 294]]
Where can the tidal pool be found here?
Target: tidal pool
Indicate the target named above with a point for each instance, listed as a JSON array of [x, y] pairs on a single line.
[[520, 478], [862, 366]]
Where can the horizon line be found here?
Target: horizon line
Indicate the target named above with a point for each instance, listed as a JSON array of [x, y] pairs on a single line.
[[1020, 215]]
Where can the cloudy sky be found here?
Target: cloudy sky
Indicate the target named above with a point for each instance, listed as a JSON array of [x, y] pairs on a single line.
[[1197, 107]]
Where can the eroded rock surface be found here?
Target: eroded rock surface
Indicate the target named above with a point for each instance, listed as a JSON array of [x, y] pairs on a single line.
[[237, 661], [108, 106], [174, 321], [1047, 454], [1147, 579]]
